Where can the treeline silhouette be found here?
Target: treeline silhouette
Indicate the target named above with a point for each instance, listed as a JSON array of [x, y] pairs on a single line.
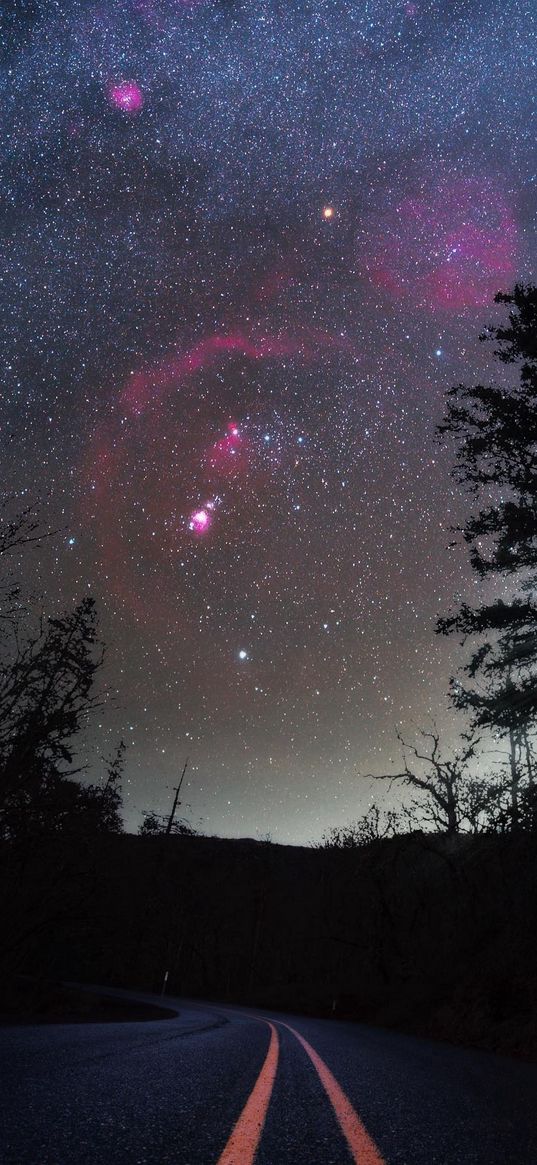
[[494, 434], [423, 916], [424, 932]]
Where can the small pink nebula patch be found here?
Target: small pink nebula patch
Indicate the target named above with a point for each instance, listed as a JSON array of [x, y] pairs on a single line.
[[200, 521], [229, 454], [127, 96]]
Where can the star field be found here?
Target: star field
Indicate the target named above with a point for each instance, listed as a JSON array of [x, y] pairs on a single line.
[[247, 248]]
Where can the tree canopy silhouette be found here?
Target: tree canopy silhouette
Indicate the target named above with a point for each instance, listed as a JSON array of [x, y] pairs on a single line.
[[495, 431], [48, 669]]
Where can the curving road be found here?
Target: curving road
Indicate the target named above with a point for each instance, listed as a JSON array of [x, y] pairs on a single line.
[[215, 1086]]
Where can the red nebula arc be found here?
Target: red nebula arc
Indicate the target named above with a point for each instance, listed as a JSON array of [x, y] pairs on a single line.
[[154, 484], [141, 388]]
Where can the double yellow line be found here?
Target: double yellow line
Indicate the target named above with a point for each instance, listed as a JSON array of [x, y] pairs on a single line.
[[244, 1141]]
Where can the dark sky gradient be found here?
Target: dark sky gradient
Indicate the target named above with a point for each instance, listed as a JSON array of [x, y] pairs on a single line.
[[226, 396]]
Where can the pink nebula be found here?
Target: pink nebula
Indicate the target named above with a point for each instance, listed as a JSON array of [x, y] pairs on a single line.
[[144, 388], [153, 453], [127, 96], [229, 454], [452, 248], [200, 521]]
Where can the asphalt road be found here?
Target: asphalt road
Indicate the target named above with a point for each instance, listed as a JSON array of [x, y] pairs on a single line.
[[218, 1087]]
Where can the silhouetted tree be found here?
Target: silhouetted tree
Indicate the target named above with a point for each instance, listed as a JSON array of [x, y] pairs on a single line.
[[495, 429], [46, 694], [156, 824], [18, 530], [480, 799], [107, 798], [58, 805], [528, 810], [373, 826], [151, 825], [47, 679], [444, 782]]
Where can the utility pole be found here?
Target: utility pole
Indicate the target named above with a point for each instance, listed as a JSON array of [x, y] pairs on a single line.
[[176, 801], [169, 828]]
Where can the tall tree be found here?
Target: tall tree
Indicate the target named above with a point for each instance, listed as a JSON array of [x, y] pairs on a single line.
[[47, 674], [46, 693], [19, 529], [495, 430], [105, 799]]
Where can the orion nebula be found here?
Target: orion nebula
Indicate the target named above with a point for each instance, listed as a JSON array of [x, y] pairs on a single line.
[[170, 441], [200, 520], [249, 246]]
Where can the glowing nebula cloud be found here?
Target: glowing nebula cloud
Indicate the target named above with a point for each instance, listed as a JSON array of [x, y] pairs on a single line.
[[126, 96], [450, 249], [169, 468], [200, 520], [230, 454], [145, 388]]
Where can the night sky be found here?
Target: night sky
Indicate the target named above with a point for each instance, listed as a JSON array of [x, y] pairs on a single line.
[[247, 247]]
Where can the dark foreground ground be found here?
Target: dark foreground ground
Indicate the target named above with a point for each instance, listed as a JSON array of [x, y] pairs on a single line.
[[169, 1093], [31, 1001], [424, 934]]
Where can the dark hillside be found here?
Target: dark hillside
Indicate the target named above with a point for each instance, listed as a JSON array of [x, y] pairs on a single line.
[[417, 932]]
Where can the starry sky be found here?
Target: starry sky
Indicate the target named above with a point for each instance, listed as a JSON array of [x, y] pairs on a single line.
[[247, 247]]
